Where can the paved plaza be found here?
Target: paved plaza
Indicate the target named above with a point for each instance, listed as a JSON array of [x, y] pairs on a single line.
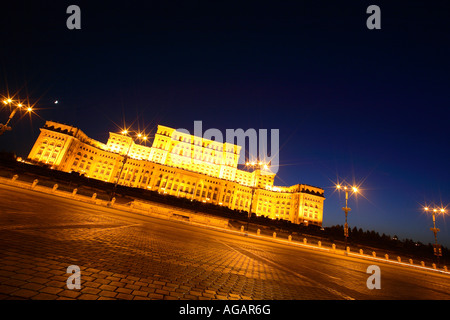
[[129, 256]]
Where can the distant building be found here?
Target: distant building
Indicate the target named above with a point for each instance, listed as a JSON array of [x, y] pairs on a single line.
[[178, 164]]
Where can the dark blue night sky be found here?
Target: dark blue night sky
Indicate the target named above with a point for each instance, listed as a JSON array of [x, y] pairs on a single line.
[[369, 106]]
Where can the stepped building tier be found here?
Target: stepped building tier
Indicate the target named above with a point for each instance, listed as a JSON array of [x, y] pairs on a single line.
[[181, 165]]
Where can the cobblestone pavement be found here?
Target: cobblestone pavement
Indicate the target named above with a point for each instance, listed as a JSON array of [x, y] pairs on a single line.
[[129, 256]]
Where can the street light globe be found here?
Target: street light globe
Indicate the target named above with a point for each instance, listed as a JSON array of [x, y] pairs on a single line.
[[355, 189], [29, 109]]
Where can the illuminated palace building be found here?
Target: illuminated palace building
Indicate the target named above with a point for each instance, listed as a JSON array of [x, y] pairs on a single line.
[[181, 165]]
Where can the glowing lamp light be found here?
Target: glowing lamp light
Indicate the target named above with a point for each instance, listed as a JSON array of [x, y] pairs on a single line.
[[29, 109], [347, 188]]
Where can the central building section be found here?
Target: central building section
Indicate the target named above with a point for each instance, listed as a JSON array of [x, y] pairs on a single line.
[[180, 165], [196, 154], [181, 150]]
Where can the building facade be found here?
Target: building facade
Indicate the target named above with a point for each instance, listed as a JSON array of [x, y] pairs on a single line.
[[181, 165]]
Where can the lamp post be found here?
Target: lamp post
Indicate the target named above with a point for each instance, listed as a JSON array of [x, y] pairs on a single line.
[[346, 209], [137, 136], [15, 106], [254, 185], [437, 248]]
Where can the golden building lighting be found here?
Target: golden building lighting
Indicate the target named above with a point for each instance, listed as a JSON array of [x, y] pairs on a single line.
[[181, 165]]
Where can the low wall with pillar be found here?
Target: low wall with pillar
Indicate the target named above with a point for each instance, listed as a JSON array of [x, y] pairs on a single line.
[[137, 206], [182, 215]]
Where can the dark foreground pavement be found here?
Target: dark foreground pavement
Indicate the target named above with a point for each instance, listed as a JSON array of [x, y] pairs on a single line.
[[129, 256]]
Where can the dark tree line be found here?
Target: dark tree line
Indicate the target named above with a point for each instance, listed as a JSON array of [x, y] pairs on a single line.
[[387, 242]]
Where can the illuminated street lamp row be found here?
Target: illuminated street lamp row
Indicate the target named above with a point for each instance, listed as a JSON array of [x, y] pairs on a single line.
[[259, 164], [436, 210], [137, 134], [15, 106], [347, 189], [134, 135]]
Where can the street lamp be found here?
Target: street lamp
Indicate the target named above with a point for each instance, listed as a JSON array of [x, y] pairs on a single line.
[[436, 248], [15, 107], [254, 185], [347, 189], [134, 136]]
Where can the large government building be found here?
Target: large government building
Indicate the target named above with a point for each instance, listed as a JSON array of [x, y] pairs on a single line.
[[178, 164]]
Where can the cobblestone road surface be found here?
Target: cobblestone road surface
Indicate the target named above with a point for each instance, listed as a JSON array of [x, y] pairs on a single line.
[[130, 256]]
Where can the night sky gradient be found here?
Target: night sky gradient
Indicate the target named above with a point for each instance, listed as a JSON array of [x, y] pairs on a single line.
[[369, 106]]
